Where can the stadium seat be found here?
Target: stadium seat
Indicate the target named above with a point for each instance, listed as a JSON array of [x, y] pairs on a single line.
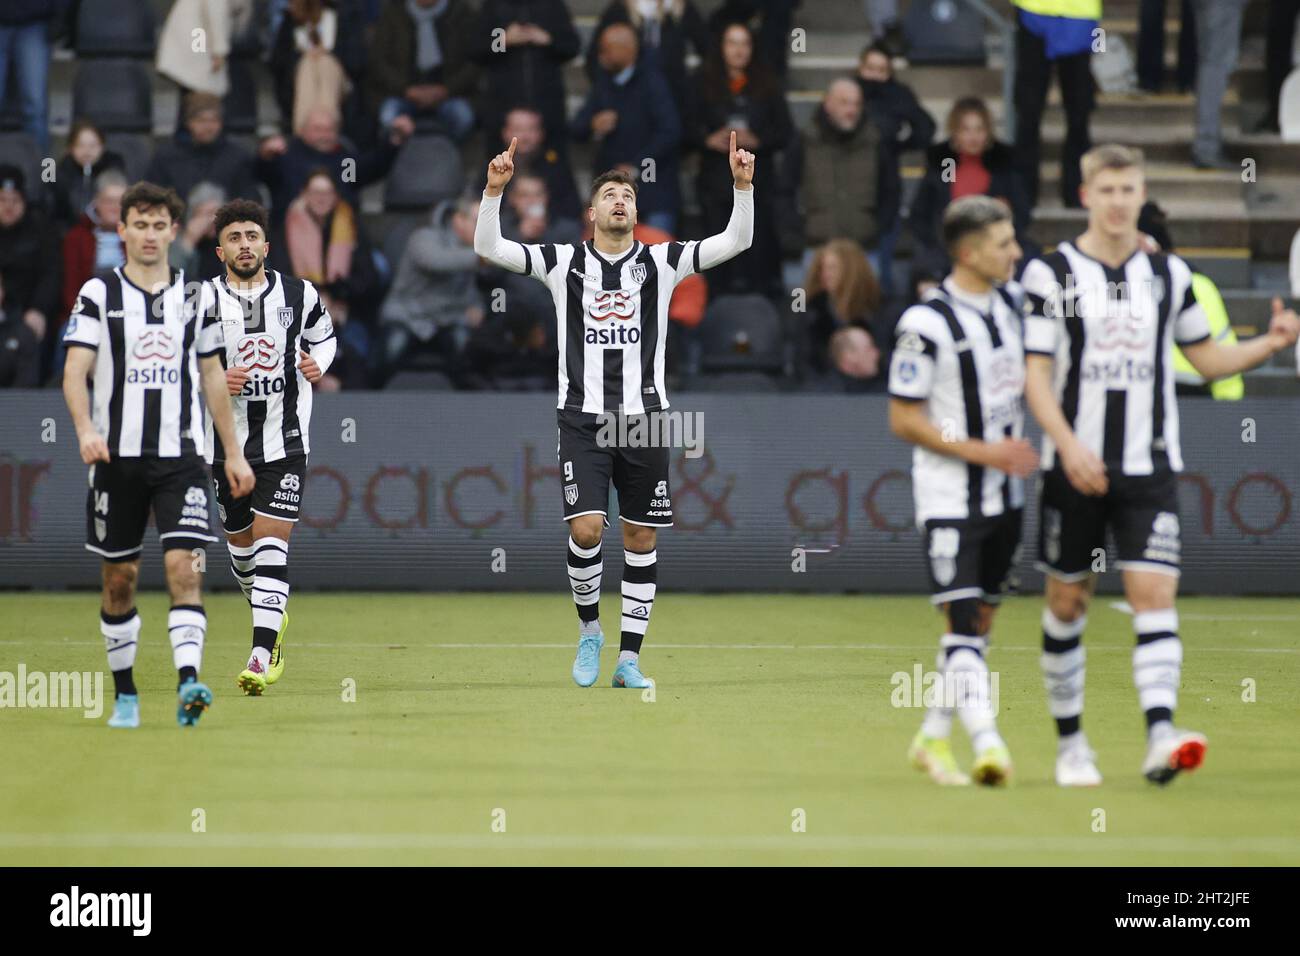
[[115, 28], [427, 169], [20, 150], [396, 232], [135, 149], [944, 33], [741, 333], [240, 104], [117, 95]]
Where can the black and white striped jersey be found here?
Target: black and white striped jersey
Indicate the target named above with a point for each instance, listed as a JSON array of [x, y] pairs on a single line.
[[612, 313], [262, 330], [1111, 332], [145, 388], [962, 354]]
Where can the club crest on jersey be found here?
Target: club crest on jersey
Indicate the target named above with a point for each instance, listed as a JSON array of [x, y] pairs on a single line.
[[637, 272], [571, 494], [286, 316]]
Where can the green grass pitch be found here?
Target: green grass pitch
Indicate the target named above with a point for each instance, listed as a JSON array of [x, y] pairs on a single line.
[[466, 721]]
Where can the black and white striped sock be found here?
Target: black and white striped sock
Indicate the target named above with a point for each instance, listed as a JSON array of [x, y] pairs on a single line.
[[1157, 667], [270, 592], [640, 578], [187, 626], [1063, 671], [121, 635], [243, 566], [585, 569]]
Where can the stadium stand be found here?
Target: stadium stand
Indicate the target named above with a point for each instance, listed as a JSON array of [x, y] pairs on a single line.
[[1236, 227]]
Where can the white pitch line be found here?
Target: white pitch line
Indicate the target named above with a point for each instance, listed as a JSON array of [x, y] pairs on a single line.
[[794, 843], [487, 646]]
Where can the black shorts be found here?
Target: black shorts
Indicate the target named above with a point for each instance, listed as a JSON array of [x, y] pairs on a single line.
[[972, 557], [277, 493], [588, 464], [122, 492], [1141, 512]]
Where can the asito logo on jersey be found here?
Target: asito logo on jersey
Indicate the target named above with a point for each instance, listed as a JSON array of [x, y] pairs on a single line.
[[259, 353], [153, 346], [612, 304]]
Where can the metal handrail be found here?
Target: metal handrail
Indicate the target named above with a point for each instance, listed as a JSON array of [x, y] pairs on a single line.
[[1007, 28]]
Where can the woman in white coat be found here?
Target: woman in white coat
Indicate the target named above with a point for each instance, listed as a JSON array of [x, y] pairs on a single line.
[[195, 43]]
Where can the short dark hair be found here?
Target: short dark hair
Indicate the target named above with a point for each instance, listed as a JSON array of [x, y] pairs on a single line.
[[969, 215], [611, 176], [876, 47], [146, 196], [240, 210]]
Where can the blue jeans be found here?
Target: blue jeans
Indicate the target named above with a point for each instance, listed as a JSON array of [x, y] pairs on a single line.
[[454, 115], [29, 48]]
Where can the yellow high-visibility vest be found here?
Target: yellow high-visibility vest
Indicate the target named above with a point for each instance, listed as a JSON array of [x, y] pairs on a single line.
[[1079, 9], [1207, 296]]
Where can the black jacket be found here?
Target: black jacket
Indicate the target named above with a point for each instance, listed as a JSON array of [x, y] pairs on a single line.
[[182, 164], [74, 187], [30, 263], [934, 194], [670, 55], [904, 125], [528, 76], [349, 50]]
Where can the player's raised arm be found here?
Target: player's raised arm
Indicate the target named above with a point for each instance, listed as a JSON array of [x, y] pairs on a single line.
[[739, 234], [488, 241], [1219, 360]]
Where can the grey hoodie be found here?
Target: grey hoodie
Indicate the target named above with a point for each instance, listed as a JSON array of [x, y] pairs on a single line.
[[435, 279]]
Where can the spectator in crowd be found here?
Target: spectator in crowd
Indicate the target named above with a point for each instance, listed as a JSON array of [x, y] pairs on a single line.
[[528, 216], [435, 301], [842, 290], [904, 125], [524, 66], [770, 21], [630, 115], [195, 249], [1218, 42], [1279, 56], [74, 178], [969, 162], [841, 184], [856, 361], [665, 27], [1151, 46], [202, 152], [420, 64], [325, 243], [20, 349], [29, 261], [1056, 32], [534, 154], [93, 245], [202, 70], [734, 91], [284, 165], [318, 55], [25, 43]]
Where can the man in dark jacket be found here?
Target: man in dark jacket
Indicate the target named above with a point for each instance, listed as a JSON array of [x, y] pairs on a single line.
[[522, 46], [630, 113], [284, 165], [420, 64], [201, 152], [29, 261], [841, 189], [20, 350], [535, 154], [904, 125]]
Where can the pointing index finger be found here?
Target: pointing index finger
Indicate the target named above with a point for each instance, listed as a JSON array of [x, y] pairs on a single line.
[[733, 142], [511, 151]]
